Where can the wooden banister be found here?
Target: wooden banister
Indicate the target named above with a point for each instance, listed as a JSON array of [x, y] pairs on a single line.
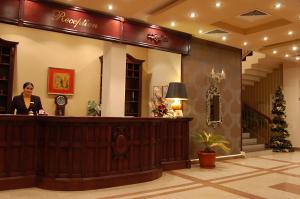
[[257, 123], [258, 112], [245, 53]]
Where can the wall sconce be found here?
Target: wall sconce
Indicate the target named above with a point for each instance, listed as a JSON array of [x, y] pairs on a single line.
[[217, 77], [177, 92]]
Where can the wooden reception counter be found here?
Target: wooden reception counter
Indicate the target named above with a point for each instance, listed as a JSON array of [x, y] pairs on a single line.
[[80, 153]]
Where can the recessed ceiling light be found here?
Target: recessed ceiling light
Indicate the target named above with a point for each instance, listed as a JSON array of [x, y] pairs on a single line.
[[110, 7], [193, 15], [224, 38], [290, 32], [200, 31], [297, 58], [277, 5], [286, 55], [266, 38], [274, 51], [295, 48], [218, 4], [173, 23], [245, 43]]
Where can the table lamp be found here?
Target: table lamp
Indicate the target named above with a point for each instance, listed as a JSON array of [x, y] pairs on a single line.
[[177, 92]]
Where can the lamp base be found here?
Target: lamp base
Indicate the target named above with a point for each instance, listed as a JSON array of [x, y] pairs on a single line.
[[178, 113]]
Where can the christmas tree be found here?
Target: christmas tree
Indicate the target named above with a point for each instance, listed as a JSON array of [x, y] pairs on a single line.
[[279, 125]]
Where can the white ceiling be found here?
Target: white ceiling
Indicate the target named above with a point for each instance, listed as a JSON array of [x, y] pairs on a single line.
[[275, 25]]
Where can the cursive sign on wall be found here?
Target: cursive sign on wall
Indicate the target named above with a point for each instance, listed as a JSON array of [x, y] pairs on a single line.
[[61, 16]]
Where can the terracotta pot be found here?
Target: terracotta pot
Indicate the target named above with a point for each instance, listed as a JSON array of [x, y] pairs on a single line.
[[207, 159]]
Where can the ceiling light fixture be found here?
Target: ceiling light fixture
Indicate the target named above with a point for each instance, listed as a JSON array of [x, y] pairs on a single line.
[[274, 51], [286, 55], [295, 48], [290, 32], [277, 5], [218, 4], [266, 38], [245, 43], [193, 15], [173, 23], [297, 58], [224, 38], [110, 7]]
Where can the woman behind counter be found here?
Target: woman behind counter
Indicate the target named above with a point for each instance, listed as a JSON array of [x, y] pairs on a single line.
[[26, 103]]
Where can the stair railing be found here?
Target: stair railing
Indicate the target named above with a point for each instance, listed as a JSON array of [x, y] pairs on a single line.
[[257, 123], [246, 53]]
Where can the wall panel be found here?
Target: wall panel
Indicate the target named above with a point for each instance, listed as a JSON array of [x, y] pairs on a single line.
[[196, 70]]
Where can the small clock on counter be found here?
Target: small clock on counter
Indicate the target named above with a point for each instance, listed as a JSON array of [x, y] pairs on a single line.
[[60, 101]]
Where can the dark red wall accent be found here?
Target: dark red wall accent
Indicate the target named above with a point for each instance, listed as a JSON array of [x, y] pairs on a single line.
[[137, 33], [9, 11], [64, 19], [73, 20]]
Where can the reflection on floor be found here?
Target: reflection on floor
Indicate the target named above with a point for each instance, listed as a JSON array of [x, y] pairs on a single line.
[[273, 175]]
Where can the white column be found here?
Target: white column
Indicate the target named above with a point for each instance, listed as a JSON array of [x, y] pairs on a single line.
[[113, 80]]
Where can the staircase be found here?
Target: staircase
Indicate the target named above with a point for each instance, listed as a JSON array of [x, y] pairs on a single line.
[[250, 144], [256, 129], [256, 67]]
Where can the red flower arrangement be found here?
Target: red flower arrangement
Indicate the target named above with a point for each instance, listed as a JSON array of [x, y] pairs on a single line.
[[160, 107]]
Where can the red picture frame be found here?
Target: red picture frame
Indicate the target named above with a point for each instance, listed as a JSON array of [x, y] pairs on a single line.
[[61, 81]]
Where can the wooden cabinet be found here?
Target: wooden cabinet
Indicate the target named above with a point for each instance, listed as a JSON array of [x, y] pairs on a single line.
[[7, 55], [133, 91]]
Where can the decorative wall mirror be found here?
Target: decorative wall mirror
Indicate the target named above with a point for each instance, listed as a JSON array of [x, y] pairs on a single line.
[[213, 100], [214, 117]]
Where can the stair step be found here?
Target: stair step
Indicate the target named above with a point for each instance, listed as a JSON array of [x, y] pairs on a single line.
[[254, 147], [245, 135], [249, 141], [248, 82]]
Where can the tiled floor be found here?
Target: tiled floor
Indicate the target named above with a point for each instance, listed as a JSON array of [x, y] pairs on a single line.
[[274, 176]]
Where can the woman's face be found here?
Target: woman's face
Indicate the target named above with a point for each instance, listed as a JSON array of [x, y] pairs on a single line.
[[28, 90]]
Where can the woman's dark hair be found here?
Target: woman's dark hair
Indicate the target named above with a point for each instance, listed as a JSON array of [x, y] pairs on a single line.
[[27, 84]]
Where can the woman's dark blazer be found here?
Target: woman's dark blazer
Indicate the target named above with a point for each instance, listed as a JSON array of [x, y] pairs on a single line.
[[19, 104]]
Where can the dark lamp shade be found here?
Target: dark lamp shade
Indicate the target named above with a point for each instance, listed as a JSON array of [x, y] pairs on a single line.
[[176, 90]]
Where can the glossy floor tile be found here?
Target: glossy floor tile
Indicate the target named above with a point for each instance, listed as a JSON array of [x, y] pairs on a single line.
[[271, 175]]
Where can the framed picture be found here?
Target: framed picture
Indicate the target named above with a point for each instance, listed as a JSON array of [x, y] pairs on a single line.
[[61, 81], [157, 91], [164, 91]]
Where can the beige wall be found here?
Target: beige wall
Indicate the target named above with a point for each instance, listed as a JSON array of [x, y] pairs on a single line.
[[260, 95], [196, 70], [163, 67], [38, 50], [291, 91]]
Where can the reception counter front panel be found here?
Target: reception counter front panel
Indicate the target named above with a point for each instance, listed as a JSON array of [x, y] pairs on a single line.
[[80, 153]]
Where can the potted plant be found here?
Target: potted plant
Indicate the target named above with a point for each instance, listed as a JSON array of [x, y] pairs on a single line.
[[209, 141], [93, 109]]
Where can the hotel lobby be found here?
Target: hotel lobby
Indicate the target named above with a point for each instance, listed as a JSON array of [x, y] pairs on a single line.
[[104, 72]]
